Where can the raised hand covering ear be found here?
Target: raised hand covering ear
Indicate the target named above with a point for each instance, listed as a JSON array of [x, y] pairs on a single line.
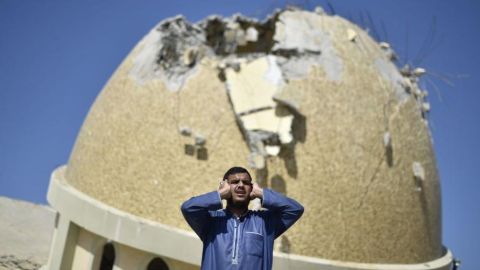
[[257, 192], [224, 190]]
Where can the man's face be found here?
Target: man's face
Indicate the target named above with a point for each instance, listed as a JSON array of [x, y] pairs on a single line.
[[240, 186]]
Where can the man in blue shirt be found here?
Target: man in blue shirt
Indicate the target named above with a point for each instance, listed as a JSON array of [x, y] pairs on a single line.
[[236, 237]]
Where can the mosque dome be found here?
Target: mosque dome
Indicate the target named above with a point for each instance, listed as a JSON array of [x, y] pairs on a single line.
[[309, 102]]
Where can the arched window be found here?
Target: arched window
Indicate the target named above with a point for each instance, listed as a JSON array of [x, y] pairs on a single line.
[[157, 264], [108, 257]]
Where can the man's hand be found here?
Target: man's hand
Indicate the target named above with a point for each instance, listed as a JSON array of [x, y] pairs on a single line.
[[224, 190], [257, 192]]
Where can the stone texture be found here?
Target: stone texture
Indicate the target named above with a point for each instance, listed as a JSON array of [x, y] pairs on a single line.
[[11, 262], [361, 201], [26, 230]]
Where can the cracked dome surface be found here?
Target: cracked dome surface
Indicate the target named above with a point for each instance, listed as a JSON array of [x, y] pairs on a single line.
[[309, 102]]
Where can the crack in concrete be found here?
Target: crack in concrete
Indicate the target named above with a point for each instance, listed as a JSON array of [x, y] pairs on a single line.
[[370, 181]]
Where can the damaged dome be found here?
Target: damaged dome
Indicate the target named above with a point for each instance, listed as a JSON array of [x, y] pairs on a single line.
[[312, 104]]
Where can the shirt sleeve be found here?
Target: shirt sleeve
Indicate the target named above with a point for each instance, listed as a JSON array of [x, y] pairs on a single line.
[[283, 211], [197, 209]]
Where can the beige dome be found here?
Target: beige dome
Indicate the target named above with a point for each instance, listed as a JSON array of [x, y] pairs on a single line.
[[308, 101]]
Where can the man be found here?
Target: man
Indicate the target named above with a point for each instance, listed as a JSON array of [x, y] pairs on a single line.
[[235, 237]]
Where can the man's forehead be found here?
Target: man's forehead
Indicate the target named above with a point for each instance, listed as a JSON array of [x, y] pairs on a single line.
[[239, 176]]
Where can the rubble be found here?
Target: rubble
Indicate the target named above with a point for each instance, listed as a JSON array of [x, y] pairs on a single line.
[[351, 35], [170, 53], [319, 10], [384, 45], [419, 175], [251, 34], [306, 45], [419, 71], [185, 131], [389, 52], [200, 140], [387, 140], [256, 60]]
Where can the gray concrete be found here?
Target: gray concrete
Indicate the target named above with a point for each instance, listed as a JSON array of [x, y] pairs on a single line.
[[25, 230]]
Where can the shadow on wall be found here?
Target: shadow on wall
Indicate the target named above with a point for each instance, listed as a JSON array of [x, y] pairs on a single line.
[[108, 257], [108, 260], [299, 132]]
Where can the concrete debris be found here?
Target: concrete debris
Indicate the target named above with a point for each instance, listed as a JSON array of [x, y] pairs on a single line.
[[384, 45], [389, 52], [235, 65], [407, 71], [419, 174], [425, 122], [426, 107], [233, 36], [296, 67], [229, 63], [170, 53], [419, 71], [272, 150], [416, 91], [185, 131], [255, 106], [251, 34], [411, 81], [190, 57], [407, 84], [267, 55], [257, 161], [265, 121], [299, 34], [238, 35], [295, 30], [351, 35], [274, 73], [319, 10], [200, 140], [387, 140]]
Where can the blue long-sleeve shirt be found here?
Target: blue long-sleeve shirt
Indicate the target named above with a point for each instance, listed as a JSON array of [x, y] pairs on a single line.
[[244, 243]]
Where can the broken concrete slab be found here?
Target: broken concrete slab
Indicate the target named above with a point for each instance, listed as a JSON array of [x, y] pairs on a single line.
[[302, 32], [251, 92]]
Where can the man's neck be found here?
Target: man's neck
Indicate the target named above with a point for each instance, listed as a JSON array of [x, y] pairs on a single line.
[[237, 210]]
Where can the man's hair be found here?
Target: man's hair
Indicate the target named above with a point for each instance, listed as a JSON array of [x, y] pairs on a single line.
[[235, 170]]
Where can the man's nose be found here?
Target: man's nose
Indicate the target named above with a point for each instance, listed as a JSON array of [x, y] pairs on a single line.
[[240, 183]]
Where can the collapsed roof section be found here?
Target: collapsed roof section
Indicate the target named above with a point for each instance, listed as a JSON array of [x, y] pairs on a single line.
[[256, 59]]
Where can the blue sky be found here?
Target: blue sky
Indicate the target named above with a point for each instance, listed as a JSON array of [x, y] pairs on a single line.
[[55, 57]]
